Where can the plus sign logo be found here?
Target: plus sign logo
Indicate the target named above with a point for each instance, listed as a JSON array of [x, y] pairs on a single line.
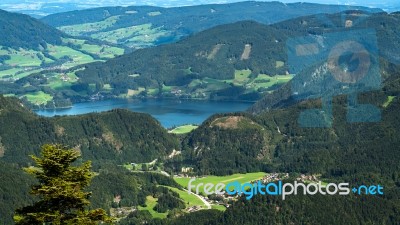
[[332, 64]]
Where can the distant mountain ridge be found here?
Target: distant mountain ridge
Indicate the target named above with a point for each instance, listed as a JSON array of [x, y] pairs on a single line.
[[237, 61], [170, 24]]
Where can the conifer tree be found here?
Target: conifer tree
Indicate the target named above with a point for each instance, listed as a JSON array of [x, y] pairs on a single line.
[[60, 190]]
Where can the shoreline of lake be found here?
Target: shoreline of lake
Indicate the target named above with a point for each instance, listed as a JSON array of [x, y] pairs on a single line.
[[169, 112]]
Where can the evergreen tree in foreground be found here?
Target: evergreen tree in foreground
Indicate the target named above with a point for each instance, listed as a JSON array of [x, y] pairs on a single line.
[[60, 190]]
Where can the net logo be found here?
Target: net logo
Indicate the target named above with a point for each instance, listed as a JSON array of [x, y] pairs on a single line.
[[249, 190]]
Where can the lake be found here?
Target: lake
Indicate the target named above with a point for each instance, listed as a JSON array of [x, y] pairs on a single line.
[[169, 112]]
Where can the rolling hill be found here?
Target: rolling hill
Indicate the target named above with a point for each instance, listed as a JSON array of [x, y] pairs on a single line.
[[234, 61], [29, 46], [142, 26]]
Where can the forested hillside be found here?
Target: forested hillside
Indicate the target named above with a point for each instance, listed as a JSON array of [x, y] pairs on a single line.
[[118, 135], [140, 26], [28, 46], [215, 63], [22, 31], [385, 26], [107, 139], [239, 61]]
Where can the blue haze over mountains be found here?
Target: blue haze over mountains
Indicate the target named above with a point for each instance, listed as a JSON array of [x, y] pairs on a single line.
[[45, 7]]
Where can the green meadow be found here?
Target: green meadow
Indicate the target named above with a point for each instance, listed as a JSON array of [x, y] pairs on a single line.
[[388, 101], [241, 178], [39, 98], [80, 29], [189, 199], [150, 203], [183, 129]]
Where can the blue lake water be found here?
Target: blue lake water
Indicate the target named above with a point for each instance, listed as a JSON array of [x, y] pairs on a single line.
[[169, 112]]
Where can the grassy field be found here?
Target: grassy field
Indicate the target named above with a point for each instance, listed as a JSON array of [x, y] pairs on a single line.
[[115, 36], [242, 77], [241, 178], [388, 101], [24, 62], [23, 58], [156, 13], [214, 84], [39, 98], [77, 56], [138, 166], [183, 129], [266, 81], [279, 64], [152, 91], [150, 203], [9, 72], [26, 73], [189, 199], [218, 207], [103, 51], [80, 29], [134, 36], [58, 81]]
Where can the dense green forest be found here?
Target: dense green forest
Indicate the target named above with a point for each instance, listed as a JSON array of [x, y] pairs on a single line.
[[107, 139], [32, 34], [296, 210], [116, 135]]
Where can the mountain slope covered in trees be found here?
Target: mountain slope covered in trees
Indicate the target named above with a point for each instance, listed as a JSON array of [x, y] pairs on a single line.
[[387, 35], [118, 135], [22, 31], [29, 46], [138, 26], [239, 61], [107, 139]]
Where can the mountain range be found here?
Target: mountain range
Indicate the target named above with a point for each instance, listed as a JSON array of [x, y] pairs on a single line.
[[239, 61], [44, 8], [141, 26]]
